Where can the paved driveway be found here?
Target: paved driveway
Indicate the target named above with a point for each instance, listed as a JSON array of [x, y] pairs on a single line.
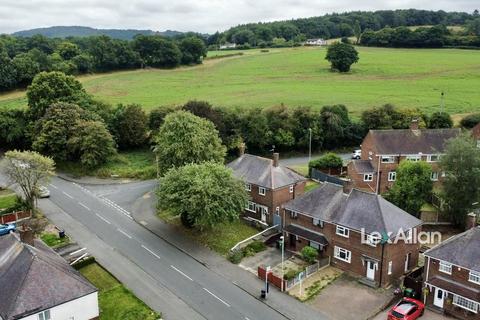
[[429, 315]]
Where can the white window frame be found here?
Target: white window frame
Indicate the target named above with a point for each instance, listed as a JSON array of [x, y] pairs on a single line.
[[317, 222], [434, 176], [262, 191], [387, 159], [263, 209], [44, 315], [290, 189], [248, 187], [373, 241], [342, 231], [414, 158], [465, 303], [293, 214], [392, 176], [347, 253], [445, 267], [429, 158], [390, 267], [474, 277], [251, 206], [368, 177]]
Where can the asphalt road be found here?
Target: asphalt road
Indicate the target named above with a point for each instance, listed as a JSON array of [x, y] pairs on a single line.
[[208, 294]]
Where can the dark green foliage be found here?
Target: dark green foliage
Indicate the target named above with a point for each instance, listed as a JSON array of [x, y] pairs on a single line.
[[309, 254], [440, 120], [12, 128], [130, 126], [7, 72], [341, 56], [193, 50], [235, 256], [470, 121], [327, 161], [389, 117], [156, 51], [157, 115], [249, 250]]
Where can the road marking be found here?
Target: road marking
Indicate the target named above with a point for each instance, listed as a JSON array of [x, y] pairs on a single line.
[[124, 233], [53, 186], [84, 206], [103, 218], [67, 194], [75, 252], [246, 318], [153, 253], [183, 274], [216, 297]]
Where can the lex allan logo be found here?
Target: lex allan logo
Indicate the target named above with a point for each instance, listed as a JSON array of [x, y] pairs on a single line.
[[410, 236]]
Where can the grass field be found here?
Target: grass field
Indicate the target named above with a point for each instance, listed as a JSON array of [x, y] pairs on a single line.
[[300, 77]]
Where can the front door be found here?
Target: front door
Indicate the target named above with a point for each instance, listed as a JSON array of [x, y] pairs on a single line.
[[439, 297], [371, 270]]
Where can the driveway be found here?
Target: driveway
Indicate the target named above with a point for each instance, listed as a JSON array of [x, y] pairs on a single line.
[[270, 257], [429, 315]]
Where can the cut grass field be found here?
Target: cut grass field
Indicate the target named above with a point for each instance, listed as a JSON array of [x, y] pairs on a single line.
[[300, 77], [115, 301]]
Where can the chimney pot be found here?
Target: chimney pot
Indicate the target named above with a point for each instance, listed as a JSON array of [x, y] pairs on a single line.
[[242, 149], [26, 235], [414, 124], [471, 221], [276, 157]]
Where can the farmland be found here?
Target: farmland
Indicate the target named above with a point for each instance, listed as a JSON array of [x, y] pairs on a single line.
[[407, 78]]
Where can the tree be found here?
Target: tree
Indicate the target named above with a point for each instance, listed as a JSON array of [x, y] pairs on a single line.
[[50, 87], [440, 120], [130, 126], [29, 170], [357, 31], [473, 27], [470, 121], [7, 72], [461, 164], [156, 51], [309, 254], [341, 56], [68, 50], [412, 187], [204, 195], [157, 115], [193, 50], [326, 162], [91, 143], [12, 128], [25, 67], [185, 138]]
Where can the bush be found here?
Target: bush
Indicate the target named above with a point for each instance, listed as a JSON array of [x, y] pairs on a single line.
[[235, 256], [470, 121], [309, 254], [256, 246], [327, 161], [290, 274]]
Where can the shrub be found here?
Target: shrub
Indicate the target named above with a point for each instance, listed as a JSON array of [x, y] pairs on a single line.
[[327, 161], [256, 246], [309, 254], [235, 256], [470, 121], [290, 274]]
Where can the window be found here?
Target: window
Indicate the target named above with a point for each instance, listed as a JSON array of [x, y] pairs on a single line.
[[474, 277], [248, 187], [445, 267], [263, 209], [464, 303], [342, 231], [373, 241], [277, 210], [250, 206], [368, 177], [434, 176], [388, 159], [392, 176], [390, 267], [44, 315], [314, 245], [414, 158], [291, 189], [293, 214], [317, 222], [432, 158], [343, 254], [261, 191]]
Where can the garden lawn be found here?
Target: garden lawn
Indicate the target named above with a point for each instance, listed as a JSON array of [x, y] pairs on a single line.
[[300, 77], [7, 200], [53, 240], [115, 301]]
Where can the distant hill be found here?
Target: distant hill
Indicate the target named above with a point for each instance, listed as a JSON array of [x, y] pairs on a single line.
[[78, 31]]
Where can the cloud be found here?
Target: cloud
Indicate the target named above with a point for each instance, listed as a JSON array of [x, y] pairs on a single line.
[[189, 15]]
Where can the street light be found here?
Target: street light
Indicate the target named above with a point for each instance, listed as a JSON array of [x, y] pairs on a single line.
[[282, 243]]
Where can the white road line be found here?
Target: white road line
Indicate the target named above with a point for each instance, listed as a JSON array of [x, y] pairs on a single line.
[[67, 194], [216, 297], [153, 253], [246, 318], [124, 233], [53, 186], [84, 206], [103, 218], [183, 274]]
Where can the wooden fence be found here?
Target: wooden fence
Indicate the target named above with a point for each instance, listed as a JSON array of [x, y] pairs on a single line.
[[15, 217]]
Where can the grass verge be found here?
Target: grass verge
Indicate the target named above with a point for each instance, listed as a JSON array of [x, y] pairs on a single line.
[[8, 200], [53, 240], [116, 301]]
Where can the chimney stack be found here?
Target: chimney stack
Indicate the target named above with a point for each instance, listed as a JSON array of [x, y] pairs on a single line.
[[471, 221], [414, 124], [26, 235], [276, 157], [242, 149]]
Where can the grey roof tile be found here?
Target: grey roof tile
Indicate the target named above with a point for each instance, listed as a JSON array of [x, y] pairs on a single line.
[[363, 166]]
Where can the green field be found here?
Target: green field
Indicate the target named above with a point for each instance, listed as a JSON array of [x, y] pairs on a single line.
[[301, 77]]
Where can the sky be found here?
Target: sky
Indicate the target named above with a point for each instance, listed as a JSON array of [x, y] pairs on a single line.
[[205, 16]]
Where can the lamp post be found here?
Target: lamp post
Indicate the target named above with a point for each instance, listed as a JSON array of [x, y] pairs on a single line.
[[282, 243], [310, 145]]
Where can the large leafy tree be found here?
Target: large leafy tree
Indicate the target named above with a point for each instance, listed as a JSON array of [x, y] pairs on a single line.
[[12, 128], [7, 72], [461, 164], [341, 56], [156, 51], [440, 120], [26, 68], [185, 138], [413, 186], [29, 170], [130, 126], [193, 50], [204, 195]]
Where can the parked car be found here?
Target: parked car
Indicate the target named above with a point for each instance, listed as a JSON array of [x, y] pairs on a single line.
[[6, 228], [43, 192], [357, 154], [407, 309]]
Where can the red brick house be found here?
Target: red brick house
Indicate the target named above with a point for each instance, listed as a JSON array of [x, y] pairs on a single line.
[[383, 150], [452, 276], [269, 185], [360, 232]]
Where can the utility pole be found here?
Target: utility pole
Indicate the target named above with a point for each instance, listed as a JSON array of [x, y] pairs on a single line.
[[282, 239], [310, 145], [442, 101]]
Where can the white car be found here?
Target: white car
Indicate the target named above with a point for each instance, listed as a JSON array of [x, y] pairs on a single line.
[[43, 192], [357, 154]]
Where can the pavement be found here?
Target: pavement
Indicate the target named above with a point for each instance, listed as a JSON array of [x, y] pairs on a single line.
[[428, 315]]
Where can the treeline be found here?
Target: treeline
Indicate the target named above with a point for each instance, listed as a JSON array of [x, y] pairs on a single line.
[[348, 24], [22, 58], [423, 37]]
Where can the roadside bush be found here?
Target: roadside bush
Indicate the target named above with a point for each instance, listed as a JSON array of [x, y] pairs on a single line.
[[309, 254], [470, 121], [235, 256], [326, 162], [256, 246], [290, 274]]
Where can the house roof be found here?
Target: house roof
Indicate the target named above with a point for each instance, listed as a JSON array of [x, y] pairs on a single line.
[[454, 286], [356, 210], [407, 141], [461, 250], [307, 234], [363, 166], [33, 279], [261, 171]]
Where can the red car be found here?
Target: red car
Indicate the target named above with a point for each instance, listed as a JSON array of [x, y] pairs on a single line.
[[407, 309]]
